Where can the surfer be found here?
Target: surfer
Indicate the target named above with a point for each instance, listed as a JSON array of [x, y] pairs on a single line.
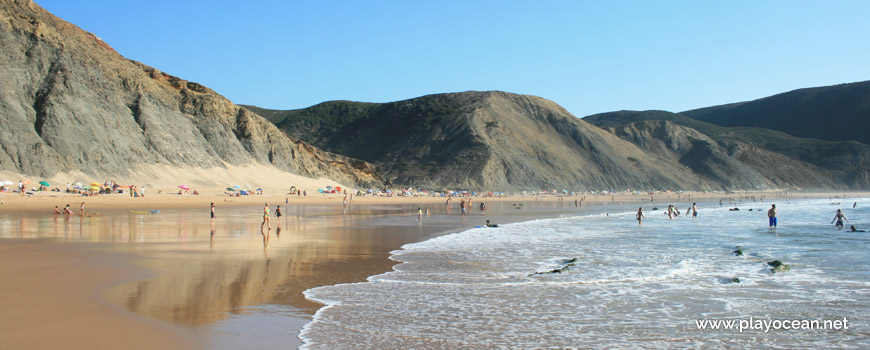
[[855, 229], [488, 224], [839, 217]]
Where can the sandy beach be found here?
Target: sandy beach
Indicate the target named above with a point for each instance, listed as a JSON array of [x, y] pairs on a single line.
[[177, 280]]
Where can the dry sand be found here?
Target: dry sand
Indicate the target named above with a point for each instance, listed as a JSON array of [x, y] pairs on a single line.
[[79, 295]]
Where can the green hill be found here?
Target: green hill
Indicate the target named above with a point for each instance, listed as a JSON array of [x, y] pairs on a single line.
[[833, 113], [844, 161]]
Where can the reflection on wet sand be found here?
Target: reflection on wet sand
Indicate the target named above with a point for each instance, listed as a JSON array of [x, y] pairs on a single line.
[[209, 272]]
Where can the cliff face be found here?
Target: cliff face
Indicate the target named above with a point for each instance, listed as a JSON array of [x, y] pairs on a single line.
[[70, 102]]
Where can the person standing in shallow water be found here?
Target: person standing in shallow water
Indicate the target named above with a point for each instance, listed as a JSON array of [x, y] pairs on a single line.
[[266, 217], [212, 211], [640, 216], [839, 217], [771, 215]]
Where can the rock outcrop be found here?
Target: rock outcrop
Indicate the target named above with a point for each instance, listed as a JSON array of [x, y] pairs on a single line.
[[69, 102]]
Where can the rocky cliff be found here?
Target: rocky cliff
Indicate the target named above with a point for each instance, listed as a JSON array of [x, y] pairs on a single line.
[[69, 102]]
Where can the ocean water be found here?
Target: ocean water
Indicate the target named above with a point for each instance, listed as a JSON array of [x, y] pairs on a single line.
[[630, 287]]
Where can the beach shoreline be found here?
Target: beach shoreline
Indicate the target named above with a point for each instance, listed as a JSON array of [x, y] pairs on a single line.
[[399, 226]]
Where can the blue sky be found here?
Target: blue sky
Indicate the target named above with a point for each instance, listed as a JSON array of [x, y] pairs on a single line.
[[588, 56]]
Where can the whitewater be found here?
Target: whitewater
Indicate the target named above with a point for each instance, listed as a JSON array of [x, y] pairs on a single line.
[[618, 284]]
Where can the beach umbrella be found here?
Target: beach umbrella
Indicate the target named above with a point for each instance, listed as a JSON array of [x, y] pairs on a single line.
[[44, 183], [237, 187], [230, 189], [259, 189], [95, 188], [183, 187], [6, 183], [95, 184]]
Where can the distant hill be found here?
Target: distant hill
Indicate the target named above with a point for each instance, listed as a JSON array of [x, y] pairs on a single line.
[[833, 113], [732, 155], [70, 103], [486, 140], [492, 140]]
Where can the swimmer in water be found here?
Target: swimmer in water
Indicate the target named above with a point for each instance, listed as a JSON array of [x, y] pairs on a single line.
[[640, 216], [839, 217]]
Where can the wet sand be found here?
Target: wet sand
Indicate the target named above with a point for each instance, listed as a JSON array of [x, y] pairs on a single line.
[[175, 280]]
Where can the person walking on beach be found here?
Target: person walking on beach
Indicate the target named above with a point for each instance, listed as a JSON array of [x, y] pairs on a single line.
[[266, 217], [278, 215], [56, 211], [771, 215], [482, 208], [419, 214], [640, 216], [212, 211], [82, 208], [839, 217], [462, 207]]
